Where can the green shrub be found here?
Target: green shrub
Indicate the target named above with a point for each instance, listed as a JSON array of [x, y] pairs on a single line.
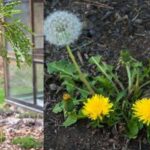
[[124, 84]]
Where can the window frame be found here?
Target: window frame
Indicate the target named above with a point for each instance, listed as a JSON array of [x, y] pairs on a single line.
[[36, 59]]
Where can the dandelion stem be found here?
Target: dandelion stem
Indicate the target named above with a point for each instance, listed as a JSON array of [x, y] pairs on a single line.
[[82, 77], [129, 79]]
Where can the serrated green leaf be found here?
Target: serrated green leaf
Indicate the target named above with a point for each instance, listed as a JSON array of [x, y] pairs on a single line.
[[81, 115], [120, 96], [76, 102], [69, 105], [83, 92], [133, 128], [58, 108], [104, 81], [95, 58], [70, 85], [61, 66], [72, 119]]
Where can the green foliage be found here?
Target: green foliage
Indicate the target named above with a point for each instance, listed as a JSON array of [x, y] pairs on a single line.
[[59, 107], [123, 90], [138, 77], [133, 128], [1, 92], [108, 77], [72, 83], [71, 119], [1, 96], [62, 67], [26, 142], [2, 137], [69, 109], [68, 75], [138, 74], [30, 114], [15, 32], [148, 133]]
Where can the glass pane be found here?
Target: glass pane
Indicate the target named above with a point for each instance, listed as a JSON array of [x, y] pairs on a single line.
[[38, 24], [40, 84], [20, 82]]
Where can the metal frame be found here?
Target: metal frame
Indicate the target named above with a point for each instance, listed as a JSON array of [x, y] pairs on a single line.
[[15, 101]]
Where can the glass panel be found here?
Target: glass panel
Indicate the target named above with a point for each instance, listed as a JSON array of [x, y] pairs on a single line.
[[38, 24], [20, 82], [40, 84]]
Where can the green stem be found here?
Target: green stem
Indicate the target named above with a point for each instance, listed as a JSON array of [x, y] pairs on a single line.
[[119, 83], [82, 77], [148, 134], [136, 84], [145, 84], [129, 79]]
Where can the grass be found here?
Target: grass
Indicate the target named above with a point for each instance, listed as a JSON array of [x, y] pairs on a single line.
[[30, 114], [26, 142], [1, 91], [1, 96], [2, 137]]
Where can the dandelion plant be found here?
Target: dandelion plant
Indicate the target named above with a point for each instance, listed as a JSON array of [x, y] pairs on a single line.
[[61, 29]]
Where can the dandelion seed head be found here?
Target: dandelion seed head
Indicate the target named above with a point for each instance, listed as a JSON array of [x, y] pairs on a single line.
[[62, 28]]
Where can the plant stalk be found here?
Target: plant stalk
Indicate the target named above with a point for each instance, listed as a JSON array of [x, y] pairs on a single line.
[[119, 83], [129, 79], [144, 84], [82, 77]]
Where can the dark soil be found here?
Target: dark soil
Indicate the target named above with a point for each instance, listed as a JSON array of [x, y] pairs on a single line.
[[109, 27]]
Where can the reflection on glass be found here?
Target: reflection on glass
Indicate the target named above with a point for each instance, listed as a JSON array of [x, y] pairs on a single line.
[[20, 82], [40, 90]]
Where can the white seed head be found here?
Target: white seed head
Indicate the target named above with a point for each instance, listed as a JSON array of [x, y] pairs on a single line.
[[62, 28]]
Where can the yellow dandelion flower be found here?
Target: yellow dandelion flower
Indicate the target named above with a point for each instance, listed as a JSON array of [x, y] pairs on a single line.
[[97, 107], [66, 96], [141, 110]]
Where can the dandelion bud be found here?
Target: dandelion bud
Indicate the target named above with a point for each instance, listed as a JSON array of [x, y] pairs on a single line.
[[66, 97]]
